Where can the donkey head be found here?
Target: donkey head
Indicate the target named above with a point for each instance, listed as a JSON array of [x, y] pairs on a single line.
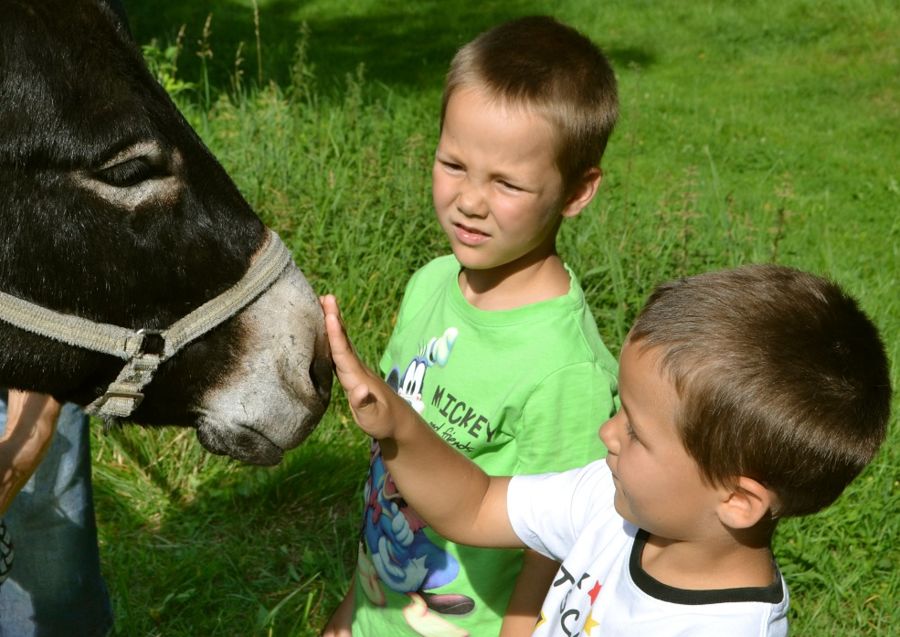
[[112, 209]]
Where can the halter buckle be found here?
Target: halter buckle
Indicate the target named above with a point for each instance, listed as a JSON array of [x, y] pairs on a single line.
[[152, 342], [100, 408]]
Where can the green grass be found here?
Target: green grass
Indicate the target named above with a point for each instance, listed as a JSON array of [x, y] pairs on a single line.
[[752, 131]]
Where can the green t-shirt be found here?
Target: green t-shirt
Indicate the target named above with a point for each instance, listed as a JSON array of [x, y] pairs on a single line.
[[518, 391]]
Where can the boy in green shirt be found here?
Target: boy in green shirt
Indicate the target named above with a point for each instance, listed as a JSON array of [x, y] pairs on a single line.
[[494, 345]]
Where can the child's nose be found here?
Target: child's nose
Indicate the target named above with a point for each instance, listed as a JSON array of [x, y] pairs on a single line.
[[470, 201], [608, 432]]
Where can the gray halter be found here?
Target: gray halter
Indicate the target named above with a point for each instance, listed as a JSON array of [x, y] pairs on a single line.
[[145, 349]]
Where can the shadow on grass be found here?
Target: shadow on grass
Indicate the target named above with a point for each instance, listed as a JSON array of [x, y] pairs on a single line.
[[256, 550], [406, 46]]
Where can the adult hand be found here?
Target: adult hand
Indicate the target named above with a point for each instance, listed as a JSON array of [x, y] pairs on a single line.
[[30, 423]]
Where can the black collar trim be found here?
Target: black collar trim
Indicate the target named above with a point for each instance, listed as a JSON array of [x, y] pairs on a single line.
[[771, 594]]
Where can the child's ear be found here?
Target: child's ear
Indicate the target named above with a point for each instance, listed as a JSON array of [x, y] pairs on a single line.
[[745, 503], [583, 192]]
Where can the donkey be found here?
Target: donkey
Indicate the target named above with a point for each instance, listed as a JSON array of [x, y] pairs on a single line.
[[114, 215]]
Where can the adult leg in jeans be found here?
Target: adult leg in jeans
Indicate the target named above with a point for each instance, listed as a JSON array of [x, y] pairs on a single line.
[[55, 588]]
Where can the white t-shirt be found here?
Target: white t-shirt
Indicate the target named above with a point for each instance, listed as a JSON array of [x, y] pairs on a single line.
[[601, 589]]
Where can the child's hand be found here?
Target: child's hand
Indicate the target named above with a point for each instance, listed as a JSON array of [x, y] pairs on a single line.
[[372, 402], [472, 506]]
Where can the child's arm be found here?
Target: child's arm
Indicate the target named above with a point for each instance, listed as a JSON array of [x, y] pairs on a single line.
[[452, 494], [528, 595], [341, 620]]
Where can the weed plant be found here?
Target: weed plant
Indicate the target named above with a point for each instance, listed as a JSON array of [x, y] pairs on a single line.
[[750, 132]]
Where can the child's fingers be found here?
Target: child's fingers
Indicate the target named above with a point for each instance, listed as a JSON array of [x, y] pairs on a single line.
[[350, 370], [334, 326], [359, 383], [337, 337]]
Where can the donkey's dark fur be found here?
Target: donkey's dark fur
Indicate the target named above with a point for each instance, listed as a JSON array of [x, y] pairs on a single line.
[[111, 209]]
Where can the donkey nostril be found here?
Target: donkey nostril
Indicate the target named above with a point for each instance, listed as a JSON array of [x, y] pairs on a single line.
[[320, 375]]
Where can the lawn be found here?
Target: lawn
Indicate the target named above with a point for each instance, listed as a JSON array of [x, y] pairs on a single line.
[[750, 132]]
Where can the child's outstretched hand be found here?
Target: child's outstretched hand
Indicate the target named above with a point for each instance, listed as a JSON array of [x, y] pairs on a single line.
[[472, 506], [372, 402]]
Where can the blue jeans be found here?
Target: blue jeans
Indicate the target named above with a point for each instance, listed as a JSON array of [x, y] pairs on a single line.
[[55, 587]]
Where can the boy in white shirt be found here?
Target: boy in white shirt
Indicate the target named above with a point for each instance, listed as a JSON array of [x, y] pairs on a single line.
[[747, 395]]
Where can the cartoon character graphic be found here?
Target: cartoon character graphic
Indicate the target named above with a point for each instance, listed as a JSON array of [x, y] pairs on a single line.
[[436, 352], [395, 551]]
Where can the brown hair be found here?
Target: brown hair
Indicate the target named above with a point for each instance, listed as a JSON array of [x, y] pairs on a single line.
[[540, 64], [781, 377]]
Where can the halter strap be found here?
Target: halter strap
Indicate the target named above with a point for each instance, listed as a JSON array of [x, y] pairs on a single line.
[[145, 349]]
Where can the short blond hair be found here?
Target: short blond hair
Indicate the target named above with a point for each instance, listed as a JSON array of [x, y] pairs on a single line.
[[552, 70]]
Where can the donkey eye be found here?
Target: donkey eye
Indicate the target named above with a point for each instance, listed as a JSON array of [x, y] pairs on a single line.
[[141, 173], [131, 172], [133, 165]]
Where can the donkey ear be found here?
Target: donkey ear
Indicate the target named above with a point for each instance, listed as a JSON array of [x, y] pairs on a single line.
[[119, 16]]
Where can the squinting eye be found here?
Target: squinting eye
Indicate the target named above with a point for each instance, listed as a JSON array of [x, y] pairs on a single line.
[[131, 172], [511, 187], [630, 431], [133, 165]]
